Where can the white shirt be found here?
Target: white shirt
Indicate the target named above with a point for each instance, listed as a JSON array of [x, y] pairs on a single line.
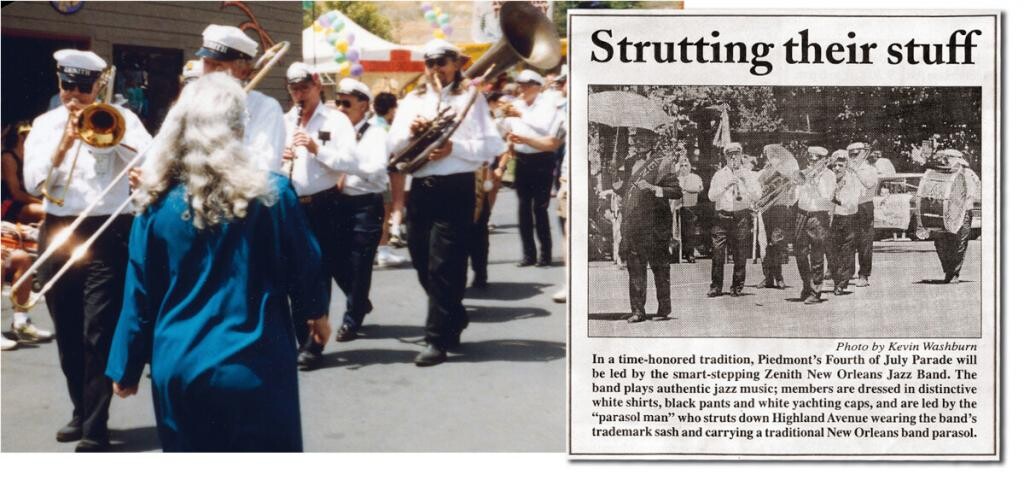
[[735, 198], [94, 171], [884, 167], [336, 155], [847, 195], [265, 131], [816, 195], [867, 178], [371, 150], [475, 143], [538, 120], [691, 185]]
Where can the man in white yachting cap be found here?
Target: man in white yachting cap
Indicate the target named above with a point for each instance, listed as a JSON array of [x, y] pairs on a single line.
[[441, 201], [228, 49], [952, 247], [532, 128], [84, 315], [733, 189], [865, 175]]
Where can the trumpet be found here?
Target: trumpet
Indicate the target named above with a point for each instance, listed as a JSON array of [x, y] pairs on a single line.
[[100, 125], [265, 63]]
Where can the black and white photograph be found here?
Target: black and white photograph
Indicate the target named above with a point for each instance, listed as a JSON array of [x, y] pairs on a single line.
[[784, 211]]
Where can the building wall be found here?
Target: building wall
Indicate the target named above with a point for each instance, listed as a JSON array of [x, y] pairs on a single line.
[[176, 25]]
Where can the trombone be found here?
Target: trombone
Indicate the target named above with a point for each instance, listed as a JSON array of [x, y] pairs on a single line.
[[100, 125], [266, 61]]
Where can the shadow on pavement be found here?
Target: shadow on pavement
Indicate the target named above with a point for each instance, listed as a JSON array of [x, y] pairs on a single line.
[[902, 249], [139, 439], [390, 331], [480, 314], [358, 358], [507, 290], [508, 350], [608, 316], [939, 281]]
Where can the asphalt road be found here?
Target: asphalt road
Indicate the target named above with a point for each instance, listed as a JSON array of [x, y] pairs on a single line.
[[903, 300], [503, 392]]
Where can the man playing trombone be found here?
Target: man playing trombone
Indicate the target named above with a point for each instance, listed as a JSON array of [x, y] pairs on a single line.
[[71, 174]]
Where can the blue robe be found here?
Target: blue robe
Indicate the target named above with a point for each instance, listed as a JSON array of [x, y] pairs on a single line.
[[210, 311]]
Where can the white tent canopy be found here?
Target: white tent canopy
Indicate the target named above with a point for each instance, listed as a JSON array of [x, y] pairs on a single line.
[[373, 51]]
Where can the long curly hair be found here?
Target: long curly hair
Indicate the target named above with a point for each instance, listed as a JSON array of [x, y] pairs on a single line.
[[201, 147]]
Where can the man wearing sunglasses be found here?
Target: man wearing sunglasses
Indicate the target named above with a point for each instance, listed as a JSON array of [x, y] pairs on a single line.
[[86, 302], [228, 49], [441, 201], [321, 150]]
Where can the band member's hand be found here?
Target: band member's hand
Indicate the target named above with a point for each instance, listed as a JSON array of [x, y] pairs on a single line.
[[302, 139], [320, 329], [644, 185], [134, 177], [125, 392], [419, 125], [341, 182], [513, 138], [511, 111], [288, 153], [440, 152], [499, 172]]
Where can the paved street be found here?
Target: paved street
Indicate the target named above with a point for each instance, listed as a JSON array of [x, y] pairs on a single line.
[[503, 392], [902, 301]]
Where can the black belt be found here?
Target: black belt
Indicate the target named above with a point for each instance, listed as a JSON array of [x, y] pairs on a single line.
[[443, 180], [538, 156], [320, 195]]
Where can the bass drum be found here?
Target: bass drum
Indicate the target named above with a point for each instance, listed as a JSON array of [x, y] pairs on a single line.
[[942, 200]]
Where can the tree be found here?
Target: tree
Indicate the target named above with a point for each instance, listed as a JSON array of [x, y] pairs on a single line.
[[366, 14]]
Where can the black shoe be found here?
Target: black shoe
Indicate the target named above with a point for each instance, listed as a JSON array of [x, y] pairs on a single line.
[[766, 284], [736, 292], [70, 432], [691, 260], [780, 284], [813, 299], [479, 282], [544, 262], [91, 445], [345, 334], [526, 262], [310, 358], [805, 293], [661, 316], [715, 293], [433, 355], [636, 317]]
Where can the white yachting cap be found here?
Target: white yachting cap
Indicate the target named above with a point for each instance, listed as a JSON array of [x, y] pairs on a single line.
[[732, 147], [74, 65], [438, 48], [840, 154], [299, 72], [226, 43], [192, 69], [950, 153], [818, 151], [529, 76], [349, 86], [856, 146]]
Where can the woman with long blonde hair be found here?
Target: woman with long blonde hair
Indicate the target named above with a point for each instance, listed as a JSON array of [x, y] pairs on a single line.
[[217, 247]]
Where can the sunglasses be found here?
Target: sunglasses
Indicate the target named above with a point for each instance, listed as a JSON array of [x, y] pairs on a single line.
[[82, 87], [343, 103], [439, 62]]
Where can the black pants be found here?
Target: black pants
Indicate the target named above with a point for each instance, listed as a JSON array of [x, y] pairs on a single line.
[[731, 232], [479, 243], [687, 231], [865, 238], [85, 305], [535, 174], [777, 224], [440, 215], [810, 236], [636, 266], [348, 229], [844, 238], [951, 248]]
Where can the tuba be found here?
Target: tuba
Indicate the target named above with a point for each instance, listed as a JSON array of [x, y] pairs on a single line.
[[781, 176], [527, 36]]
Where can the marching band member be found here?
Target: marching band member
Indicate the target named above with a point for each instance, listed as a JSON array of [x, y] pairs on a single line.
[[692, 186], [951, 247], [530, 123], [228, 49], [440, 202], [843, 230], [321, 151], [360, 218], [84, 304], [217, 248], [732, 189], [777, 219], [814, 202], [866, 175]]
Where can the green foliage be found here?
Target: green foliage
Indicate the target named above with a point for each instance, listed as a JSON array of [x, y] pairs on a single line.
[[559, 14], [366, 14]]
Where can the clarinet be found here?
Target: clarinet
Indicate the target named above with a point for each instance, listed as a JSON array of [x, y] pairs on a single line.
[[298, 153]]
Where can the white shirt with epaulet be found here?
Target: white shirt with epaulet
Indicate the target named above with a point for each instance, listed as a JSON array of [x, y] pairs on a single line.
[[336, 155]]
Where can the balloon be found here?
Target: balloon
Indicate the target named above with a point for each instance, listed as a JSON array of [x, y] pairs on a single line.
[[426, 7], [443, 18], [341, 46], [344, 69], [430, 16], [357, 69], [316, 27], [339, 58], [353, 54], [438, 34], [351, 38], [324, 22], [332, 38], [447, 29], [338, 25]]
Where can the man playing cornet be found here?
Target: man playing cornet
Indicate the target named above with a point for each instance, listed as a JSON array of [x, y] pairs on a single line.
[[733, 189]]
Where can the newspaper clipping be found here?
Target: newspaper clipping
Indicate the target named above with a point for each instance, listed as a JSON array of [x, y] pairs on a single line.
[[790, 223]]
